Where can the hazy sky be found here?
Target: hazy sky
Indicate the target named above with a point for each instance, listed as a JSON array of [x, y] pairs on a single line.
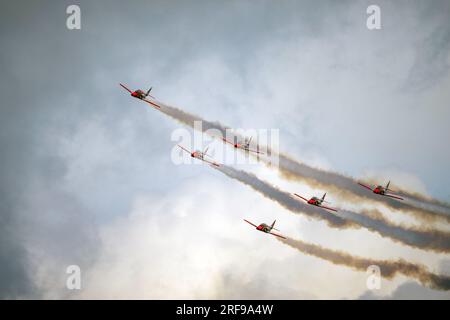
[[86, 174]]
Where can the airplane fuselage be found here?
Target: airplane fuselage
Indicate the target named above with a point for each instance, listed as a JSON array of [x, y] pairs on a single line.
[[379, 190], [242, 146], [139, 94], [197, 154], [315, 201], [264, 228]]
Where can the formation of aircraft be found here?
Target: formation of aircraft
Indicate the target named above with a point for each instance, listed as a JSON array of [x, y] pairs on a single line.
[[200, 155], [141, 95], [315, 201], [266, 228], [244, 145], [382, 191]]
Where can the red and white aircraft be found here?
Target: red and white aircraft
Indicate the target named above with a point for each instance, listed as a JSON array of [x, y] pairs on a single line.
[[141, 95], [244, 146], [200, 155], [317, 201], [266, 228], [382, 191]]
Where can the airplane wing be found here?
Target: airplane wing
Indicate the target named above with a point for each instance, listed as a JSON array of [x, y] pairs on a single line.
[[225, 140], [184, 149], [255, 151], [251, 223], [211, 162], [152, 103], [363, 185], [277, 235], [392, 196], [329, 208], [301, 197], [126, 88]]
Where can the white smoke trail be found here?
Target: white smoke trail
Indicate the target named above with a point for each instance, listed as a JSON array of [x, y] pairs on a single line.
[[437, 241], [389, 269], [294, 169]]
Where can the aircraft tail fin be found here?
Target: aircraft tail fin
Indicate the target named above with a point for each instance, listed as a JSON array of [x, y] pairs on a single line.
[[148, 92], [273, 224], [387, 186], [323, 197]]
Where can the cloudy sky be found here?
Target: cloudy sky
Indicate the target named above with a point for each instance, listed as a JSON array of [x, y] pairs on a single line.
[[86, 174]]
